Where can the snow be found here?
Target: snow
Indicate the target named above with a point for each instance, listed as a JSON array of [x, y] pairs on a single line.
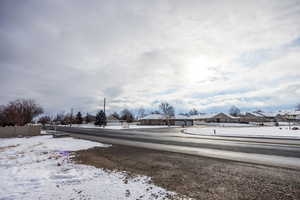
[[154, 116], [118, 127], [160, 116], [40, 168], [224, 124], [267, 132], [203, 116], [180, 117]]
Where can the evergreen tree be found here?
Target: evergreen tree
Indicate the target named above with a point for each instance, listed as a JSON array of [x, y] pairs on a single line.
[[100, 118], [79, 118]]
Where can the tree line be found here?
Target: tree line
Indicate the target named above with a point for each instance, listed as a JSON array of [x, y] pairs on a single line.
[[19, 112], [22, 111], [100, 119]]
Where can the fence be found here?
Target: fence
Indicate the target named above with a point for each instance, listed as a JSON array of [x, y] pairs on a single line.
[[15, 131]]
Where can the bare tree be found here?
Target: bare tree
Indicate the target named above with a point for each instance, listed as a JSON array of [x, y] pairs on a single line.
[[193, 112], [3, 119], [127, 116], [44, 120], [115, 115], [59, 119], [234, 111], [141, 113], [167, 110], [22, 111]]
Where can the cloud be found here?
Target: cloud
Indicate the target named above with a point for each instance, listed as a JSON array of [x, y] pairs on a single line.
[[207, 55]]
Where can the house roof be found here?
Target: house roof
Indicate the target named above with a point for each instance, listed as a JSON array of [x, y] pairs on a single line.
[[160, 116], [181, 117], [269, 114], [203, 116], [227, 115], [294, 112], [255, 114], [154, 116], [231, 116], [112, 118]]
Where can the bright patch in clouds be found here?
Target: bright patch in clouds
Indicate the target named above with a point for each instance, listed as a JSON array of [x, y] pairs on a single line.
[[207, 55]]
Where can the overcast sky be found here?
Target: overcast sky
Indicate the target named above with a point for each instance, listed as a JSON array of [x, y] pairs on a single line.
[[203, 54]]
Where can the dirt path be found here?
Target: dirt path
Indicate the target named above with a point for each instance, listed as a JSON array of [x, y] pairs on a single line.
[[197, 177]]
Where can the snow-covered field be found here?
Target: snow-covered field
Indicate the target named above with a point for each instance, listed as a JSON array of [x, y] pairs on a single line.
[[224, 124], [40, 168], [268, 132], [253, 124], [126, 126]]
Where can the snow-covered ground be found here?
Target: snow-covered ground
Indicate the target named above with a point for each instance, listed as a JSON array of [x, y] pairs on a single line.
[[224, 124], [125, 126], [251, 124], [268, 132], [40, 168]]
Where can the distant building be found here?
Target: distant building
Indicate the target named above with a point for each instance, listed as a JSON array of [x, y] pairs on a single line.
[[247, 117], [153, 119], [202, 117], [113, 121], [251, 117], [225, 118], [292, 115], [159, 119], [182, 120]]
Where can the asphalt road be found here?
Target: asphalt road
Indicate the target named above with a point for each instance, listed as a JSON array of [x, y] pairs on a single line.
[[273, 152]]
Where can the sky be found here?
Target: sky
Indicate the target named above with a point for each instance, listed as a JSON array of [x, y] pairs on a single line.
[[207, 55]]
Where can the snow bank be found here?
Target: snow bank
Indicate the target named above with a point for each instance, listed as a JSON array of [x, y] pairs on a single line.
[[40, 168], [268, 132]]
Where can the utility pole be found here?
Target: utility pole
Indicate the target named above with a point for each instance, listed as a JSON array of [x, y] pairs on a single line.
[[104, 102], [289, 118]]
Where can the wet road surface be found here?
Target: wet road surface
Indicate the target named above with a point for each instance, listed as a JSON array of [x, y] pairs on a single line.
[[273, 152]]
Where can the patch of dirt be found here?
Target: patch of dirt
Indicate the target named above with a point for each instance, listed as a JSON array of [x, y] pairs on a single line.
[[197, 177]]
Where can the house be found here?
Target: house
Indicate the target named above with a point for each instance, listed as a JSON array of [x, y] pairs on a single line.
[[215, 117], [89, 118], [270, 116], [251, 117], [153, 119], [202, 118], [182, 120], [224, 118], [159, 119], [292, 115], [112, 121]]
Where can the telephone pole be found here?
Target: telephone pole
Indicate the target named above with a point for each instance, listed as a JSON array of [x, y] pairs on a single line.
[[104, 104]]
